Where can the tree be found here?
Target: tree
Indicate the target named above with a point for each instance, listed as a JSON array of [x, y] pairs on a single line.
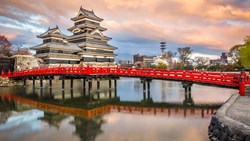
[[161, 65], [184, 54], [240, 53], [245, 55], [18, 49], [201, 61], [234, 54], [168, 56], [5, 46]]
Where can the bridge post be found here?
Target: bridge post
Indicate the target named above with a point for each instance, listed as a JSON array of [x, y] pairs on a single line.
[[110, 87], [188, 97], [84, 86], [115, 83], [110, 84], [50, 86], [41, 86], [63, 86], [71, 83], [242, 83], [189, 89], [144, 90], [144, 86], [33, 82], [41, 82], [24, 82], [90, 88], [187, 86], [148, 81], [98, 88], [71, 87], [50, 83], [186, 90], [98, 84]]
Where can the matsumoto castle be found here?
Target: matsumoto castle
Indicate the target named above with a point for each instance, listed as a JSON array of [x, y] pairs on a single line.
[[87, 45]]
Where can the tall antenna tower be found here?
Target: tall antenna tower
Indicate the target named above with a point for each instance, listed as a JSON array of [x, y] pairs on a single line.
[[163, 46]]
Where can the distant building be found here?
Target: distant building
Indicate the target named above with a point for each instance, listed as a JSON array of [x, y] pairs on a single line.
[[222, 60], [137, 58], [125, 63], [143, 61], [87, 45]]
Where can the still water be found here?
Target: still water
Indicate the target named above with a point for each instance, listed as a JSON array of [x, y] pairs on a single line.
[[29, 114]]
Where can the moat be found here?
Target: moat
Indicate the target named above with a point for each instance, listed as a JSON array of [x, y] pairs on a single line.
[[167, 115]]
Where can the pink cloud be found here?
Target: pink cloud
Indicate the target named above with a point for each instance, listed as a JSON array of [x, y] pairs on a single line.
[[200, 22]]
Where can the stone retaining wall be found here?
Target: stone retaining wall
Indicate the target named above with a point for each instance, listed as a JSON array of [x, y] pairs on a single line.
[[224, 128], [6, 82]]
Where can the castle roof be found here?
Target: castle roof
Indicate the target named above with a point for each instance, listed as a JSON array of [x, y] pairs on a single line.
[[84, 13], [99, 46], [52, 32], [85, 25], [58, 46]]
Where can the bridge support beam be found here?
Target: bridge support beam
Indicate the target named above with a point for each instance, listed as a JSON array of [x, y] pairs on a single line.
[[50, 83], [98, 84], [24, 82], [41, 86], [71, 87], [89, 79], [41, 82], [110, 88], [84, 86], [71, 83], [50, 86], [187, 86], [115, 85], [63, 88], [144, 90], [146, 81], [148, 88], [188, 97], [98, 88], [33, 82]]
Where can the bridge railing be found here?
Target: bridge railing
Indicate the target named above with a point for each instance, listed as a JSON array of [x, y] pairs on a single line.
[[195, 76]]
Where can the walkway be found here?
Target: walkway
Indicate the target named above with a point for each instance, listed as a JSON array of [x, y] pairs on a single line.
[[232, 120], [210, 78], [240, 110]]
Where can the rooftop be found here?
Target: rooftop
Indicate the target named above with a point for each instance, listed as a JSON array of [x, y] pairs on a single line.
[[52, 32], [84, 13], [87, 44], [61, 46]]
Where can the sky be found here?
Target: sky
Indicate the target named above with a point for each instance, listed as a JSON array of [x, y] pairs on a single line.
[[209, 27]]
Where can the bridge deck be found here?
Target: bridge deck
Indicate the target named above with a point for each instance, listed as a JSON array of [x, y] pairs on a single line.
[[212, 78]]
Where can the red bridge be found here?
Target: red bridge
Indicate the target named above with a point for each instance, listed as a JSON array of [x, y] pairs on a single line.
[[208, 78]]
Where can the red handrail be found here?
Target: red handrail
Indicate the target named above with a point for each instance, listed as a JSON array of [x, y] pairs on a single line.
[[227, 79]]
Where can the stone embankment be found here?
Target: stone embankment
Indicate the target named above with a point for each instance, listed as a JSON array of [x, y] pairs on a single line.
[[5, 82], [232, 121]]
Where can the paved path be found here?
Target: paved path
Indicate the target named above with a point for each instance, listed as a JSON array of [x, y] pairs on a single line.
[[240, 110], [232, 121]]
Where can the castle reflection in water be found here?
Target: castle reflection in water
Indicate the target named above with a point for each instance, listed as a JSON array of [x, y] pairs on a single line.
[[88, 111]]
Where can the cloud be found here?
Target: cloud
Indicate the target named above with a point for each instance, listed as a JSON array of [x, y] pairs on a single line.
[[137, 25]]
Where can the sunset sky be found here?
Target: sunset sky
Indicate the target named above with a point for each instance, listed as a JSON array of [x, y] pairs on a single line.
[[209, 27]]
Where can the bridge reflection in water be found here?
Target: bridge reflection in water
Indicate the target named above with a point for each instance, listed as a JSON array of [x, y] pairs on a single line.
[[88, 110]]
